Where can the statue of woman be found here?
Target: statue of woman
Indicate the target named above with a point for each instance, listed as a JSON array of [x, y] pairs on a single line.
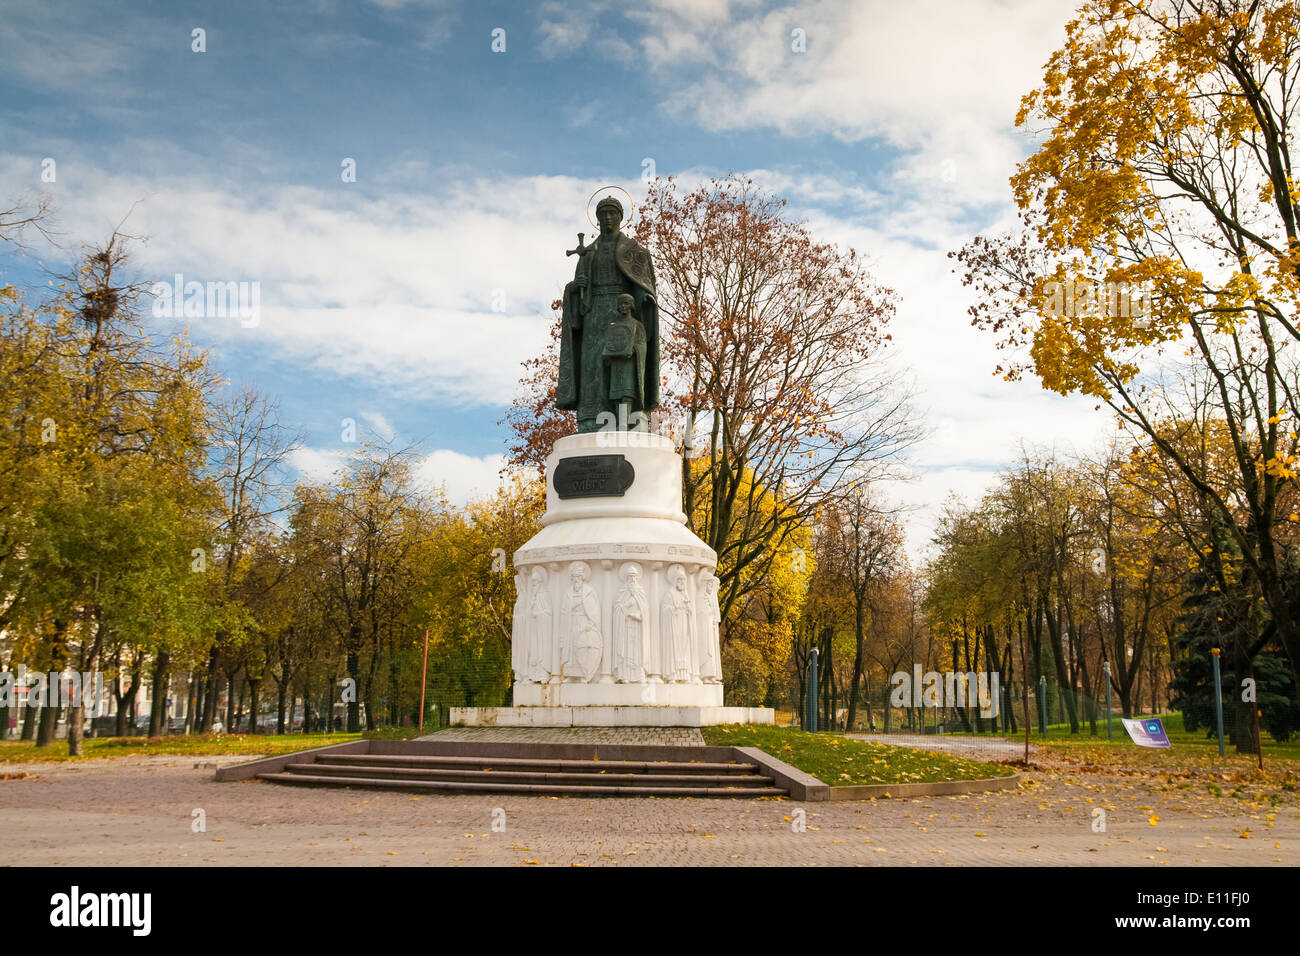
[[613, 266], [631, 618]]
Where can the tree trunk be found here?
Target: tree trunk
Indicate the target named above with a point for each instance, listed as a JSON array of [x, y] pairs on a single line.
[[1243, 723], [1155, 677], [120, 699], [282, 688], [1056, 639], [306, 701], [31, 716], [161, 682], [370, 688], [127, 720], [1008, 677], [211, 698], [76, 728], [191, 703], [200, 702], [59, 660], [232, 702], [49, 722], [1024, 686], [253, 686], [4, 708], [77, 709], [354, 705], [394, 688], [859, 600]]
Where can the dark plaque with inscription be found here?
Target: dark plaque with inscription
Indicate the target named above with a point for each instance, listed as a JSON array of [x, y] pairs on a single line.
[[593, 476]]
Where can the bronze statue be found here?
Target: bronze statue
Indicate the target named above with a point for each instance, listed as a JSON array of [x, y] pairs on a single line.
[[624, 358], [609, 342]]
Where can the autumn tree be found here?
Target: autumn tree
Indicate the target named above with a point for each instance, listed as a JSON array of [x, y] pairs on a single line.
[[861, 543], [773, 344], [364, 530], [1159, 241], [249, 448], [1138, 562], [466, 592], [111, 442], [898, 635]]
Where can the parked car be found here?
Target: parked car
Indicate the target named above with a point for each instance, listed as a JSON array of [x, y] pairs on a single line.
[[102, 727]]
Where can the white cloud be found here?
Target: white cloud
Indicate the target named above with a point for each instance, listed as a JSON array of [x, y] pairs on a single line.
[[938, 80], [433, 296], [574, 27], [924, 498], [432, 20], [47, 47], [318, 465], [397, 293], [564, 28], [463, 477], [380, 425], [977, 421]]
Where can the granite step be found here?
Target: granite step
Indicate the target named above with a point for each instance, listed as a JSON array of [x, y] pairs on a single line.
[[541, 763], [541, 789], [599, 778]]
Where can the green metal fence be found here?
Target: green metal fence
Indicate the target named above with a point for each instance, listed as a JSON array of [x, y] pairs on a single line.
[[948, 707]]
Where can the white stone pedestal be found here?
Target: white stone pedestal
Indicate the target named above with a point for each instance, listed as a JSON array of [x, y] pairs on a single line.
[[609, 716], [616, 616]]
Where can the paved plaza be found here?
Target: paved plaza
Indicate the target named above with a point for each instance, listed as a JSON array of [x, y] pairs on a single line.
[[141, 811]]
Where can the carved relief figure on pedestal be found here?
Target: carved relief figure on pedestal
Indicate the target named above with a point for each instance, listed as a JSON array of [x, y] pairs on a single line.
[[519, 630], [580, 632], [710, 617], [677, 628], [631, 619], [541, 647]]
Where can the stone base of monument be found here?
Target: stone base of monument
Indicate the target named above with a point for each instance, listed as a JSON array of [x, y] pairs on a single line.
[[608, 716], [616, 615]]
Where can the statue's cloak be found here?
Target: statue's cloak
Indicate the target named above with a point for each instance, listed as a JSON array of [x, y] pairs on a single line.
[[634, 262]]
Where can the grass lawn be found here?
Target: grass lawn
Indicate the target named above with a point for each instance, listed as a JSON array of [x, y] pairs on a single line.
[[1173, 723], [23, 751], [841, 762], [1190, 754]]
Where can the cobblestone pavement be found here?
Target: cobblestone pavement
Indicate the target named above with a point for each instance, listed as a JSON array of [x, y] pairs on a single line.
[[140, 811], [658, 736], [976, 748]]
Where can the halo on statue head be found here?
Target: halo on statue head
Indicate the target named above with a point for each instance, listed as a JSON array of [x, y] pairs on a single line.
[[628, 214]]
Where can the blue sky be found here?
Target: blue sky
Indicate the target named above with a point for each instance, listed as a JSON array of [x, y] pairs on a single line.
[[891, 132]]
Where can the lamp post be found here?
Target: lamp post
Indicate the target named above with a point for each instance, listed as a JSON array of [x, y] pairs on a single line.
[[810, 718], [1106, 671], [1218, 697], [424, 673], [1042, 704]]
